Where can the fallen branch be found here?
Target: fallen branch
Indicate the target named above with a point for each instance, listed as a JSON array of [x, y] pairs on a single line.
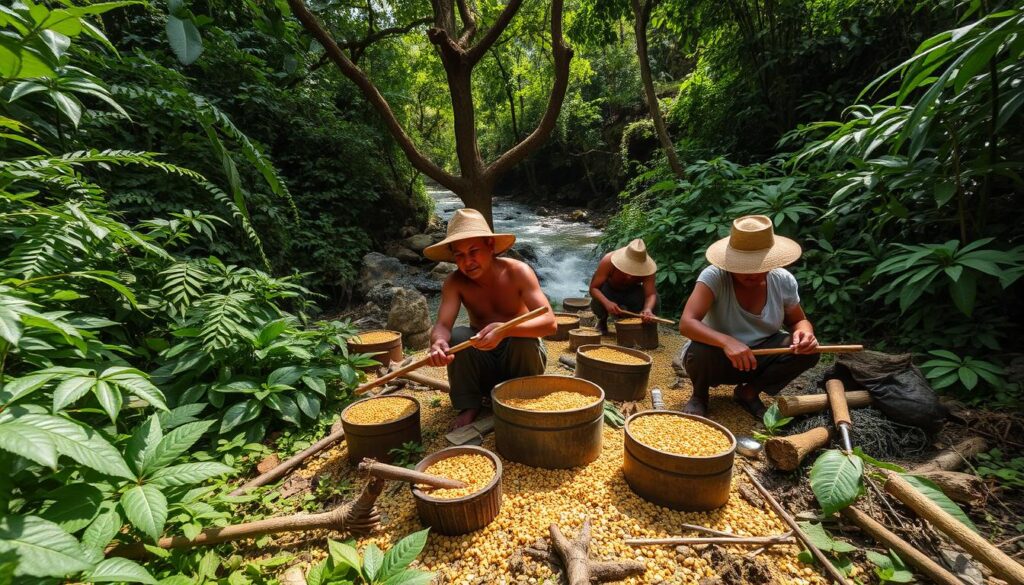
[[358, 516], [960, 487], [777, 539], [573, 556], [809, 403], [953, 458], [385, 471], [906, 551], [786, 453]]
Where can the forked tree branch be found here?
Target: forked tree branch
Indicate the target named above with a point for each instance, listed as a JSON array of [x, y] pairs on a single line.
[[372, 95], [357, 47], [477, 51], [468, 23]]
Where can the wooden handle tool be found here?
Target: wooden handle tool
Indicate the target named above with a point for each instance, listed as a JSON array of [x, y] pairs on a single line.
[[819, 349], [657, 319], [840, 412], [385, 471], [808, 403], [464, 345], [786, 453]]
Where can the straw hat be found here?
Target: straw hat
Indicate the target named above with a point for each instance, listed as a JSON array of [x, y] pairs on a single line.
[[752, 247], [633, 259], [466, 224]]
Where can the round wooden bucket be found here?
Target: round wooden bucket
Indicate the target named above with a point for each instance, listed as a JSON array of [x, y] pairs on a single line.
[[587, 318], [583, 336], [679, 482], [619, 381], [385, 351], [576, 304], [566, 322], [557, 439], [377, 440], [465, 514], [641, 335]]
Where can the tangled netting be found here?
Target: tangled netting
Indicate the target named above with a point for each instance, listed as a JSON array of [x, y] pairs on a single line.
[[878, 435]]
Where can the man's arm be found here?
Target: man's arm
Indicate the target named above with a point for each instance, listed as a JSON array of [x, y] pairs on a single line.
[[650, 299], [533, 297], [803, 339], [692, 326], [441, 332], [604, 270]]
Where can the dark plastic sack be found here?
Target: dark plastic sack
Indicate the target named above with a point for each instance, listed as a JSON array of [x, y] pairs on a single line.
[[898, 387]]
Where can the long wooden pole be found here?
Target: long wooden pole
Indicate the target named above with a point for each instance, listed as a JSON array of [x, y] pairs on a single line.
[[464, 345], [393, 472], [745, 540], [917, 559], [819, 349], [781, 512], [658, 319], [982, 550], [808, 403]]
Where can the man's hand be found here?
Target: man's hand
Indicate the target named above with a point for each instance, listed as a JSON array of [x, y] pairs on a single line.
[[804, 342], [647, 316], [612, 308], [438, 354], [487, 338], [740, 355]]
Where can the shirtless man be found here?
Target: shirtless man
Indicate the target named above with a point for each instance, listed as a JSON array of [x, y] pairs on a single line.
[[624, 279], [493, 290]]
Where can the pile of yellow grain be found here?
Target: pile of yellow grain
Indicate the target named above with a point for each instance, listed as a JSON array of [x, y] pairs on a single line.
[[630, 321], [586, 331], [607, 354], [560, 400], [476, 470], [679, 435], [379, 336], [566, 319], [374, 411]]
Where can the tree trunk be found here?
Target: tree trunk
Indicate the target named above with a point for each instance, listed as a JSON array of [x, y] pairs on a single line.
[[642, 11]]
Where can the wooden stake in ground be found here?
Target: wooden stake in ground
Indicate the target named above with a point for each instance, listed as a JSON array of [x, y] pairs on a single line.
[[983, 551], [574, 558], [909, 553]]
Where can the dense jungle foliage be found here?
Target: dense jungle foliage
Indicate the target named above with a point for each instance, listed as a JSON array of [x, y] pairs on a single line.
[[181, 184]]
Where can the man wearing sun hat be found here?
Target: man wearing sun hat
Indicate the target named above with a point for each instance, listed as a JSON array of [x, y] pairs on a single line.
[[624, 279], [743, 301], [494, 290]]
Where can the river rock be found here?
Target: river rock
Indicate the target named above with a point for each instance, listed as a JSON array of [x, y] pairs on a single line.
[[417, 242], [409, 314], [543, 211], [407, 256], [578, 215], [442, 270], [377, 269], [408, 231]]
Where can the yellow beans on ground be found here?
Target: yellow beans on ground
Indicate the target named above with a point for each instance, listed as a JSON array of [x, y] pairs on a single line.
[[679, 435], [566, 319], [631, 321], [475, 470], [379, 410], [368, 337], [560, 400], [586, 331], [607, 354]]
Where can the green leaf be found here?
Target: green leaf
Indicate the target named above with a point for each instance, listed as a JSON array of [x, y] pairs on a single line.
[[344, 555], [286, 406], [238, 413], [135, 382], [402, 553], [944, 192], [74, 506], [308, 404], [189, 473], [410, 577], [836, 480], [70, 390], [876, 462], [146, 508], [119, 570], [109, 398], [142, 444], [933, 493], [270, 331], [176, 443], [28, 442], [99, 534], [185, 40], [287, 376], [963, 292], [10, 326], [180, 415], [80, 443], [372, 559], [43, 548]]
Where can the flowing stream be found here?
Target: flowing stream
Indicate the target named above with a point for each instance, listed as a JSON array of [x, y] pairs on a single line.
[[566, 251]]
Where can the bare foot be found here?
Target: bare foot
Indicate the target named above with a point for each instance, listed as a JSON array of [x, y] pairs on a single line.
[[464, 418], [748, 398], [697, 406]]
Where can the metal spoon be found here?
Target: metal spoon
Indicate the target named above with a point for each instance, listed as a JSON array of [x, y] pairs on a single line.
[[748, 446]]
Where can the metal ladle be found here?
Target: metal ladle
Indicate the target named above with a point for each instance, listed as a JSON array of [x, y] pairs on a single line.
[[748, 446]]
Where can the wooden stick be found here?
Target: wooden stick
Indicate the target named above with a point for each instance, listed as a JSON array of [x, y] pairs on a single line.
[[746, 540], [429, 381], [656, 319], [786, 453], [982, 550], [833, 573], [385, 471], [697, 528], [935, 572], [953, 458], [464, 345], [819, 349], [809, 403]]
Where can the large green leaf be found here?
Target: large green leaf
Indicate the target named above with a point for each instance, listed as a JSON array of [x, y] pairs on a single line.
[[402, 553], [176, 443], [135, 382], [286, 406], [146, 508], [119, 570], [102, 530], [29, 442], [10, 326], [70, 390], [142, 444], [189, 473], [344, 555], [74, 506], [372, 560], [935, 494], [185, 40], [241, 412], [80, 443], [836, 480], [43, 548], [410, 577]]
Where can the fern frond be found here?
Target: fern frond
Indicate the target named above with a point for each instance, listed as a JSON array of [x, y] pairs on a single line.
[[183, 284], [222, 317]]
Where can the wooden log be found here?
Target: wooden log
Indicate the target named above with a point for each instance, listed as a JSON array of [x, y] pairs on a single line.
[[953, 458], [809, 403], [393, 472], [786, 453], [745, 540], [428, 381], [819, 349], [960, 487], [567, 361], [983, 551], [935, 572]]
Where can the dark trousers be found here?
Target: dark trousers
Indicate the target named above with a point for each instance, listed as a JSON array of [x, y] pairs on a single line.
[[708, 366], [474, 373], [631, 299]]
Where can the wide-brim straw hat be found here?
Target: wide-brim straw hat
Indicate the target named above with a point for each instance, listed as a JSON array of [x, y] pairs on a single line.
[[752, 247], [466, 224], [633, 259]]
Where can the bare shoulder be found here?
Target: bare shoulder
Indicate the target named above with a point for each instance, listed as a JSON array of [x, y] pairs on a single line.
[[517, 268]]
